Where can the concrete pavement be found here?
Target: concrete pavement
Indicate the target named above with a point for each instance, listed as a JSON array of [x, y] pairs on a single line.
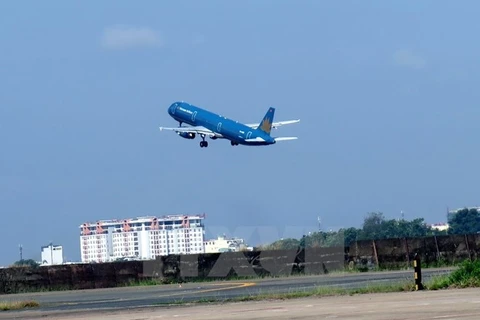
[[422, 305]]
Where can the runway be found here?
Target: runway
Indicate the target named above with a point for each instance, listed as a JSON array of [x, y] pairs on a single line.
[[134, 297], [421, 305]]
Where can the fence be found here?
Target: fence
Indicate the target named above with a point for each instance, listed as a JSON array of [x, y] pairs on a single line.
[[172, 268], [388, 253], [435, 250]]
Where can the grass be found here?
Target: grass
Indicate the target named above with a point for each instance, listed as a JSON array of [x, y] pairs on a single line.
[[17, 305], [331, 291], [346, 270], [164, 281], [466, 276], [317, 292]]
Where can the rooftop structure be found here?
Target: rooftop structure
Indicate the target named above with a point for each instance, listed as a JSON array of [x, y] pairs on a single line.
[[52, 254], [223, 244]]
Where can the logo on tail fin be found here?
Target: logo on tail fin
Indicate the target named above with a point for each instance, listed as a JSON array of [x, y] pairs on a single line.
[[266, 124]]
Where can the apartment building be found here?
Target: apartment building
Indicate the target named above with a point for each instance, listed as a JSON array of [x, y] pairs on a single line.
[[141, 237]]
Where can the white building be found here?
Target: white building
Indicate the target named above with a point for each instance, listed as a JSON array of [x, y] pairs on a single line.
[[440, 226], [52, 254], [141, 238], [223, 244]]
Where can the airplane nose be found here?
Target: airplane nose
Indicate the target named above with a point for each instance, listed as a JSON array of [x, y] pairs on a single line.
[[172, 108]]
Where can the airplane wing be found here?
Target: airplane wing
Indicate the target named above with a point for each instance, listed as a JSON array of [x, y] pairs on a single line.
[[197, 130], [275, 125]]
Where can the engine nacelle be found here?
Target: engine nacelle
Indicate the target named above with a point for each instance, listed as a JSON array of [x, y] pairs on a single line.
[[187, 135], [216, 136]]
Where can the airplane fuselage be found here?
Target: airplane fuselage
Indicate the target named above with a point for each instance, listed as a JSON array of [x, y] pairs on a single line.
[[223, 127]]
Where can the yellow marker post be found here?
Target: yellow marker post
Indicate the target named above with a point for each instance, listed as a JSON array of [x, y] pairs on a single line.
[[417, 272]]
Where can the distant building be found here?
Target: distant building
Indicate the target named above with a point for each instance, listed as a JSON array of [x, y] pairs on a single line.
[[223, 244], [459, 209], [141, 238], [52, 255], [440, 226]]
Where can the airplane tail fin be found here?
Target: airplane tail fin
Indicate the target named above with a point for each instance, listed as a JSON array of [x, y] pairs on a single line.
[[266, 124]]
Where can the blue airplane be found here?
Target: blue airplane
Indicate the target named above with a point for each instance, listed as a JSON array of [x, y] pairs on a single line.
[[205, 123]]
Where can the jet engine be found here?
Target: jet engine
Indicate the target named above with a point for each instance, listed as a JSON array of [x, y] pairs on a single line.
[[187, 135]]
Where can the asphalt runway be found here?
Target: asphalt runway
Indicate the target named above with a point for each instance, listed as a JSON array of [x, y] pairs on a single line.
[[131, 297], [420, 305]]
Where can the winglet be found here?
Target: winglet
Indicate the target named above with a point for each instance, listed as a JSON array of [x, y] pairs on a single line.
[[266, 124]]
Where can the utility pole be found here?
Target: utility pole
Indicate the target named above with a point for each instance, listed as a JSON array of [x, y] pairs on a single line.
[[21, 252]]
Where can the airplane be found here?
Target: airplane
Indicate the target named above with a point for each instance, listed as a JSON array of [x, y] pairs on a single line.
[[205, 123]]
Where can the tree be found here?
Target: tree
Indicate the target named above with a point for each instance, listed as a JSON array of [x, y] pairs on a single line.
[[465, 221], [417, 228], [26, 263], [284, 244], [373, 226], [350, 235]]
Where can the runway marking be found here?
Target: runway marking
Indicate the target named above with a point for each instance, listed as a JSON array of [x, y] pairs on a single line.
[[194, 291], [237, 286], [456, 315], [79, 302]]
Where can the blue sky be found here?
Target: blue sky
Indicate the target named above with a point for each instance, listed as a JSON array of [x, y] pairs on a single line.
[[386, 91]]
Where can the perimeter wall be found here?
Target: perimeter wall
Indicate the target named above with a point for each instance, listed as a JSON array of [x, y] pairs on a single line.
[[360, 255]]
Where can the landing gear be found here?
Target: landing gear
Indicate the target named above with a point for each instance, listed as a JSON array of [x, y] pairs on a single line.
[[203, 143], [233, 143]]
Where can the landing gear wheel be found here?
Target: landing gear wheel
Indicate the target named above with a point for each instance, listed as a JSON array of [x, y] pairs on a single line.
[[203, 143], [233, 143]]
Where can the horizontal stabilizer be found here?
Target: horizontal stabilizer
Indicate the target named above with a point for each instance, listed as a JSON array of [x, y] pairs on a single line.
[[257, 139], [275, 125], [284, 123], [285, 138]]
